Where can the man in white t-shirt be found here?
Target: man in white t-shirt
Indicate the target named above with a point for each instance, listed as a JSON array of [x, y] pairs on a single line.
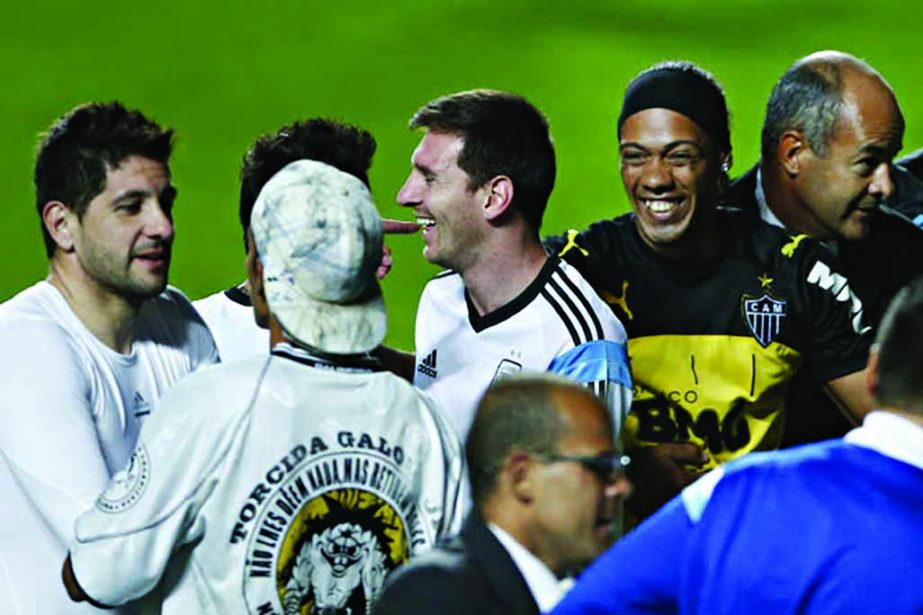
[[228, 313], [480, 182], [292, 481], [89, 349]]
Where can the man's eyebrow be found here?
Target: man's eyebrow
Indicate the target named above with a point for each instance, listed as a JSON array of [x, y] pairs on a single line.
[[879, 150], [422, 168], [131, 194]]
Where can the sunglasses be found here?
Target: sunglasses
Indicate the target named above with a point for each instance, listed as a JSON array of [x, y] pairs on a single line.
[[606, 466]]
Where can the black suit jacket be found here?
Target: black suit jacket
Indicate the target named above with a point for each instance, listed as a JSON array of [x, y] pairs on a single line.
[[470, 573]]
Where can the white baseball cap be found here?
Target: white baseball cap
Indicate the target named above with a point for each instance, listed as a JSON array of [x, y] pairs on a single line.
[[318, 236]]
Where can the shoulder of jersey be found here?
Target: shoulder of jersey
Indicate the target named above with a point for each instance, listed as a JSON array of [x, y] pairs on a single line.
[[35, 317], [203, 392], [173, 306]]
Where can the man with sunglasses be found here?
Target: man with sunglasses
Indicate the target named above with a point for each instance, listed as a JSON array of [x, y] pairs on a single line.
[[547, 480]]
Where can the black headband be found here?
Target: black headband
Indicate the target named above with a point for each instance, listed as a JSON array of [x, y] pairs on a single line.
[[682, 90]]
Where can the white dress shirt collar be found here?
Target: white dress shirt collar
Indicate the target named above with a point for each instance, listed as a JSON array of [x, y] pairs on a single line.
[[765, 213], [546, 588], [891, 435]]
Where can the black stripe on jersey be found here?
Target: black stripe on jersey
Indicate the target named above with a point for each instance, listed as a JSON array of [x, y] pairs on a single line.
[[553, 302], [597, 326], [576, 317]]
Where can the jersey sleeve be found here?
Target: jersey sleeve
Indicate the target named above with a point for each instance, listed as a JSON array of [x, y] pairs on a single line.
[[836, 327], [588, 251], [603, 366], [48, 433], [151, 507]]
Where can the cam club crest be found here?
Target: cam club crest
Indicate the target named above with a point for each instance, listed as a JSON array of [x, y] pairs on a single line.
[[763, 316]]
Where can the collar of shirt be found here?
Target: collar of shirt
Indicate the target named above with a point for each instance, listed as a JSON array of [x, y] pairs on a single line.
[[891, 435], [770, 218], [361, 363], [765, 213], [547, 589]]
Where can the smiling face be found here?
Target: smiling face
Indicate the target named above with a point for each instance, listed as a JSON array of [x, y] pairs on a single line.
[[437, 190], [575, 509], [123, 241], [841, 189], [671, 173]]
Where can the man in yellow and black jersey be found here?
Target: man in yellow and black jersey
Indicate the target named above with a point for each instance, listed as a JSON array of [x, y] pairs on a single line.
[[721, 309]]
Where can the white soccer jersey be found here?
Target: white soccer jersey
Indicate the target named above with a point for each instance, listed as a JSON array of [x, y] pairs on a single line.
[[229, 316], [71, 416], [557, 324], [274, 485]]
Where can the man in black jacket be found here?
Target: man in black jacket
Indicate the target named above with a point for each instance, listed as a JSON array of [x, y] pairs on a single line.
[[547, 482], [832, 128]]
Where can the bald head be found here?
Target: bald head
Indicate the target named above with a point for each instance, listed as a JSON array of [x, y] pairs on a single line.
[[817, 92], [529, 414], [831, 130]]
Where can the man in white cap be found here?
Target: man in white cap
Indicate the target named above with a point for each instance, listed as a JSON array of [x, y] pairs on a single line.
[[297, 480]]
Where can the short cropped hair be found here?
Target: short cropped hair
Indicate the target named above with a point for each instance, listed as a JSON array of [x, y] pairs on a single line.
[[504, 134], [808, 98], [348, 148], [687, 89], [900, 351], [516, 414], [76, 152]]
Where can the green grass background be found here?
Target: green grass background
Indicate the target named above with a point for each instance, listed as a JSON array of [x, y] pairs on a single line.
[[223, 73]]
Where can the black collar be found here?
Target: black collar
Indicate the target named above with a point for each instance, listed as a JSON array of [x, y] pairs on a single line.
[[514, 306]]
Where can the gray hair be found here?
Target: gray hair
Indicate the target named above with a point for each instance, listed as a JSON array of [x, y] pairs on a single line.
[[808, 98]]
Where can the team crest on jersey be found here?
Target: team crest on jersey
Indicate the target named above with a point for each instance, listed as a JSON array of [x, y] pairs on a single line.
[[126, 485], [325, 528], [764, 316]]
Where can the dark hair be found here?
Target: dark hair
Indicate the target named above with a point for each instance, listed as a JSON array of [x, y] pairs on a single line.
[[504, 134], [900, 351], [348, 148], [684, 88], [77, 151], [807, 98], [519, 413]]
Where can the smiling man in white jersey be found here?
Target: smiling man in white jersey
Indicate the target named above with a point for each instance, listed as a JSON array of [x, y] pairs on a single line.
[[481, 179]]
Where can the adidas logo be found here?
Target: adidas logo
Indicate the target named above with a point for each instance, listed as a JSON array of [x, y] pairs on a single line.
[[427, 366], [142, 408]]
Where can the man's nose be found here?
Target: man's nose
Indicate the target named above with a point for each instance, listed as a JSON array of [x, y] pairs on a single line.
[[409, 194], [882, 184]]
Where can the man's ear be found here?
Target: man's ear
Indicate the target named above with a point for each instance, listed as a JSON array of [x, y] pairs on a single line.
[[59, 220], [792, 148], [871, 372], [254, 268], [519, 474], [499, 197]]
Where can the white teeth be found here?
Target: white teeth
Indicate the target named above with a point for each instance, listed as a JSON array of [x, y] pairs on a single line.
[[423, 221], [659, 207]]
